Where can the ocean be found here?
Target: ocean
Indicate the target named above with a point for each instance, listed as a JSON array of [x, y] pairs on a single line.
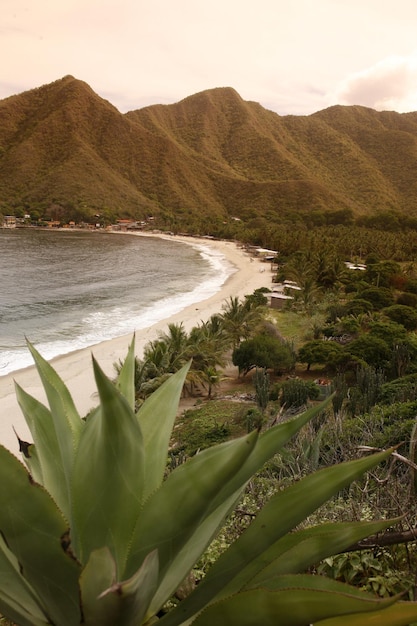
[[65, 290]]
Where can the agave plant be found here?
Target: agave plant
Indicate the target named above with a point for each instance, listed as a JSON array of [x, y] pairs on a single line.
[[94, 531]]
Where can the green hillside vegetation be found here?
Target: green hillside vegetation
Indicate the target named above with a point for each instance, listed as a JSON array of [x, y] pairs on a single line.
[[350, 336], [67, 153]]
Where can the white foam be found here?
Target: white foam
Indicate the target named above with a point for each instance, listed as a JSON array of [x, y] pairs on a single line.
[[103, 325]]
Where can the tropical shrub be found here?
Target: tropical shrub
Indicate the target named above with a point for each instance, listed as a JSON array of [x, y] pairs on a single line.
[[365, 569], [399, 390], [388, 330], [295, 392], [385, 273], [318, 352], [402, 314], [381, 427], [96, 532], [265, 352], [408, 299], [380, 297], [372, 350], [358, 305]]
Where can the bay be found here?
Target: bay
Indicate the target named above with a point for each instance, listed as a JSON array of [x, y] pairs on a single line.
[[66, 290]]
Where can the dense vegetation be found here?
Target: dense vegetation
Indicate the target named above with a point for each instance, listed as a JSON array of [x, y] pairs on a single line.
[[352, 331]]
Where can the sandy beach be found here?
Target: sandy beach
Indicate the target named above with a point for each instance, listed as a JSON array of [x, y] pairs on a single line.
[[75, 368]]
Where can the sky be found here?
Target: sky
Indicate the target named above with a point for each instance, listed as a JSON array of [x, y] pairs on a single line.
[[294, 57]]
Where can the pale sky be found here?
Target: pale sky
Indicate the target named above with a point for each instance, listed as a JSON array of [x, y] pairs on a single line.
[[292, 56]]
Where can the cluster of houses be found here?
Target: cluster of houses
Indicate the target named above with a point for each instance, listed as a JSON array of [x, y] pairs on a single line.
[[282, 293], [11, 221]]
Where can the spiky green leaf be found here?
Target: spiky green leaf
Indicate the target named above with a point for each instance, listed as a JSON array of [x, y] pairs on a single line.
[[295, 552], [269, 443], [18, 601], [296, 601], [284, 511], [399, 614], [107, 602], [44, 459], [126, 378], [156, 417], [66, 419], [108, 476], [37, 534], [173, 513]]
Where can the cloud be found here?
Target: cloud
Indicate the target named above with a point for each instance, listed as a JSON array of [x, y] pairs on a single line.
[[390, 84]]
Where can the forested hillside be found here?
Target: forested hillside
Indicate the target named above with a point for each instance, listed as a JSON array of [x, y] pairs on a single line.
[[66, 152]]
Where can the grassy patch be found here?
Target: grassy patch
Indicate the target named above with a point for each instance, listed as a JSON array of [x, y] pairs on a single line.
[[293, 326], [210, 423]]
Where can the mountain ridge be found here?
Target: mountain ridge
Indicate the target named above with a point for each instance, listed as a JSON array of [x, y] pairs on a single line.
[[211, 154]]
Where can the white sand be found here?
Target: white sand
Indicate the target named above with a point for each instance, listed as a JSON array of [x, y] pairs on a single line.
[[75, 368]]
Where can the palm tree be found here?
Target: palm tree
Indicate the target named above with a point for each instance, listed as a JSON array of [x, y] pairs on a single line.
[[240, 319], [176, 340], [208, 344], [161, 358]]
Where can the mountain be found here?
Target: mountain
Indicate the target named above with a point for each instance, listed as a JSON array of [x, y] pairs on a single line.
[[211, 154]]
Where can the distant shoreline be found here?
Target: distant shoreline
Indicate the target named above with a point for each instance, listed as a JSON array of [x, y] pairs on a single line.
[[75, 367]]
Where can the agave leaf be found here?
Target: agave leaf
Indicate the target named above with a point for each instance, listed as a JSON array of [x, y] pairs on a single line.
[[37, 534], [44, 460], [269, 442], [66, 420], [297, 551], [297, 601], [107, 602], [108, 476], [19, 614], [18, 601], [284, 511], [172, 514], [156, 417], [399, 614], [99, 574], [182, 563], [126, 378]]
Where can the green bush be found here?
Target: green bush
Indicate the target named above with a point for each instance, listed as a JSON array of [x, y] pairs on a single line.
[[384, 426], [295, 392], [399, 390], [358, 305], [372, 350], [407, 298], [367, 569], [318, 352], [380, 297], [263, 351], [390, 331], [402, 314]]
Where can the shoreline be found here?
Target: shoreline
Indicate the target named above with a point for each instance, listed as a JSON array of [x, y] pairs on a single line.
[[75, 367]]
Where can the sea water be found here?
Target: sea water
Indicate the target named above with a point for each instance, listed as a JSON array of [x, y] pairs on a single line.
[[66, 290]]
